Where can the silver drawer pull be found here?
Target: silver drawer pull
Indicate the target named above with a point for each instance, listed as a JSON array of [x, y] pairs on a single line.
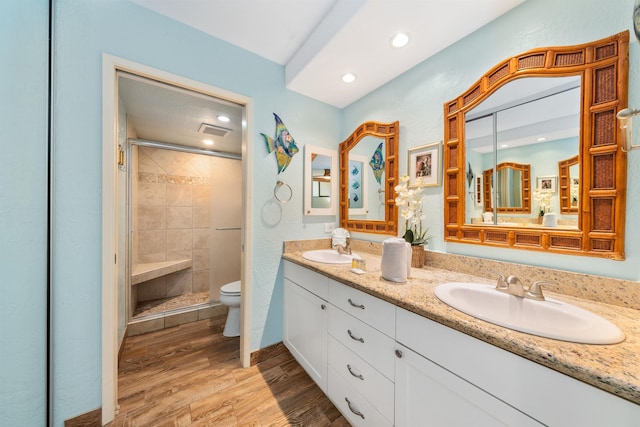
[[354, 338], [353, 304], [358, 376], [355, 411]]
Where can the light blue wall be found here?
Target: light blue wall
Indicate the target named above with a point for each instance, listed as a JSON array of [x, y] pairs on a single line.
[[83, 32], [23, 211], [416, 99]]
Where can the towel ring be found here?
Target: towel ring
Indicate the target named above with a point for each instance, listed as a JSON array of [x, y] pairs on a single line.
[[278, 187]]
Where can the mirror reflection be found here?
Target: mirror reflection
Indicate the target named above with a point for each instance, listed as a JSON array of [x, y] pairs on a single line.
[[366, 179], [321, 181], [512, 192], [525, 129]]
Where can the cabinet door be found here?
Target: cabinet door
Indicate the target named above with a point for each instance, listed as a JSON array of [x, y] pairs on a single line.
[[429, 395], [305, 331]]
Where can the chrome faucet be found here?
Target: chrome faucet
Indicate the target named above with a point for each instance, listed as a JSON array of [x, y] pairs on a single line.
[[513, 286], [343, 249]]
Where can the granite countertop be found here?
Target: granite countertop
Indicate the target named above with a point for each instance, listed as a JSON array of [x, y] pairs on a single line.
[[613, 368]]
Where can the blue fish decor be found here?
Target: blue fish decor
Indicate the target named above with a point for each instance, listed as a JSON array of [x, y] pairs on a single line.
[[377, 163], [355, 185], [355, 171], [283, 144]]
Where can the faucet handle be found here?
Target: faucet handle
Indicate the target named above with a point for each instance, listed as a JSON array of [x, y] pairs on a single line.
[[502, 284], [535, 290]]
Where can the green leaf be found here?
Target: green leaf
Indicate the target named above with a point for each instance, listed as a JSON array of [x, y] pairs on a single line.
[[408, 236]]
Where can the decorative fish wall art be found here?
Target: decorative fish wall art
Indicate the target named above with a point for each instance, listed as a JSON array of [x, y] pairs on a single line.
[[377, 163], [283, 144]]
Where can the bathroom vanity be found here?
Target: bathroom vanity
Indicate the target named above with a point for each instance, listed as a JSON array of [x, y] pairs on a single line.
[[393, 354]]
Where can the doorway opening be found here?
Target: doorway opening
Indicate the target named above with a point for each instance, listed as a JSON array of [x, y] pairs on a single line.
[[138, 151]]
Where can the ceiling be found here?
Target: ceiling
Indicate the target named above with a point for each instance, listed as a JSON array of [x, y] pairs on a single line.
[[320, 40], [317, 41]]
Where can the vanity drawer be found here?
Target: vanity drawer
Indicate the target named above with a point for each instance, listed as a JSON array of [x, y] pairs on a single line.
[[367, 381], [365, 341], [371, 310], [358, 411], [310, 280]]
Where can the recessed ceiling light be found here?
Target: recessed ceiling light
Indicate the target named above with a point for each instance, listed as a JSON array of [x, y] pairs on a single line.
[[399, 40], [223, 118], [504, 146], [349, 78], [542, 138], [207, 142]]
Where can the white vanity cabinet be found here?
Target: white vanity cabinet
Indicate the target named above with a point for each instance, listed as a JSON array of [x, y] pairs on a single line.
[[429, 395], [305, 320], [482, 377], [361, 356]]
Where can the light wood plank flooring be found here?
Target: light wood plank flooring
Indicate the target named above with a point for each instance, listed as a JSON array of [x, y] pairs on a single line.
[[190, 375]]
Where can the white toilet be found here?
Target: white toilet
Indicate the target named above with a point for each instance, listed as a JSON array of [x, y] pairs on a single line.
[[230, 296]]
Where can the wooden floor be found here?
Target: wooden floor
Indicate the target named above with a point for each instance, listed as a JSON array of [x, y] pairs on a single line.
[[190, 375]]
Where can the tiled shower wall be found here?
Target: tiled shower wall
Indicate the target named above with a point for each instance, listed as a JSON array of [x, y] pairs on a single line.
[[173, 199]]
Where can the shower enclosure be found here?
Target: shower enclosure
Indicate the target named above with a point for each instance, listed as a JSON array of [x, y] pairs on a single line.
[[184, 236]]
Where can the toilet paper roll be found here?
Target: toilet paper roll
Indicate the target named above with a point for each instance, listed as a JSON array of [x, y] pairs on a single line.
[[396, 260]]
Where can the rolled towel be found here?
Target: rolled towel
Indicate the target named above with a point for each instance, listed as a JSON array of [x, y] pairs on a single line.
[[396, 260]]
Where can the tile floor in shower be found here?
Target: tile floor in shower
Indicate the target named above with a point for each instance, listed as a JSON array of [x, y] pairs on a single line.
[[162, 305], [168, 312]]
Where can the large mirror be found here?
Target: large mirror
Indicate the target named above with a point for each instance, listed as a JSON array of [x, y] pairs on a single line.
[[320, 181], [368, 175], [552, 109]]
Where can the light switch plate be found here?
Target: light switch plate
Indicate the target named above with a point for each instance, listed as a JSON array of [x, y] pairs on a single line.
[[329, 227]]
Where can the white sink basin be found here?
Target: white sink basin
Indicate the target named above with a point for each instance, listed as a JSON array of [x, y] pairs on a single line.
[[549, 318], [327, 256]]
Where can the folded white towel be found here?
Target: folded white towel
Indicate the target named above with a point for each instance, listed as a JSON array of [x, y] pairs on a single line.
[[396, 260]]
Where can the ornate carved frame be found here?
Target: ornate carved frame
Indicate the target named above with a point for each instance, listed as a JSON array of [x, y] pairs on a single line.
[[603, 66], [390, 132]]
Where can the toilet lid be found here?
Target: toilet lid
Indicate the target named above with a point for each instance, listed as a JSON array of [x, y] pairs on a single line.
[[232, 288]]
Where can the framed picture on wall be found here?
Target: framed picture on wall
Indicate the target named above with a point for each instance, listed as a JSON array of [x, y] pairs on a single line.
[[425, 162], [547, 184]]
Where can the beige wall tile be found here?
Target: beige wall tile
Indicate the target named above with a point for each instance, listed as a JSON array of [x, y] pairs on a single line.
[[152, 289], [154, 257], [179, 239], [201, 238], [152, 217], [201, 281], [201, 217], [152, 193], [201, 165], [146, 164], [179, 217], [151, 241], [179, 195], [179, 283], [143, 327], [180, 319], [201, 195], [200, 259], [169, 160], [173, 256], [215, 311]]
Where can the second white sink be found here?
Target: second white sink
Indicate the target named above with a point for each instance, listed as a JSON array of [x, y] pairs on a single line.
[[327, 256], [549, 318]]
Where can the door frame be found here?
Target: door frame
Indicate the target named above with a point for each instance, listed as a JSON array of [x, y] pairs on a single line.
[[110, 65]]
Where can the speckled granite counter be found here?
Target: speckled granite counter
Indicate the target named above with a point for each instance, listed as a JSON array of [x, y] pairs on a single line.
[[613, 368]]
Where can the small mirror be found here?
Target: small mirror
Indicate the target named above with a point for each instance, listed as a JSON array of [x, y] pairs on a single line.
[[513, 190], [320, 181], [569, 176]]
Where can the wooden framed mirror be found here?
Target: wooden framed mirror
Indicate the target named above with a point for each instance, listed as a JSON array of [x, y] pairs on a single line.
[[569, 185], [369, 172], [513, 190], [601, 68]]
